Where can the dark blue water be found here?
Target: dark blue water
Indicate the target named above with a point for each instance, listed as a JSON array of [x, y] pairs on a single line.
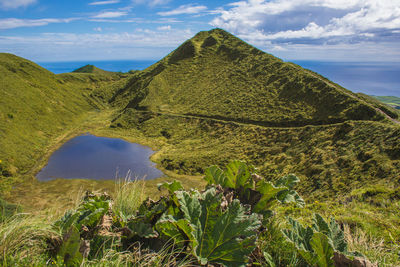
[[116, 65], [99, 158], [372, 78]]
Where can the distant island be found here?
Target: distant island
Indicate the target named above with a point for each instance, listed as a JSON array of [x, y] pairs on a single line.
[[390, 100]]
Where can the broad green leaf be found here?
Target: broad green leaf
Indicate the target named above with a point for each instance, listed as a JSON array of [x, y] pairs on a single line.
[[300, 236], [171, 187], [290, 195], [69, 250], [214, 175], [91, 219], [67, 220], [322, 249], [290, 181], [317, 244], [332, 231], [181, 231], [268, 195], [149, 212], [89, 213], [141, 228], [214, 236], [237, 175], [320, 225], [152, 210]]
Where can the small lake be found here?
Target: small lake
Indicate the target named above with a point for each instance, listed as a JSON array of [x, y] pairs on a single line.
[[100, 158]]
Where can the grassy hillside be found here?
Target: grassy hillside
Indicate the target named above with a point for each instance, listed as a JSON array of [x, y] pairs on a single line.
[[217, 75], [90, 69], [37, 107], [214, 99]]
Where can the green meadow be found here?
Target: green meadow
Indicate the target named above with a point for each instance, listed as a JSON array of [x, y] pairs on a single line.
[[212, 100]]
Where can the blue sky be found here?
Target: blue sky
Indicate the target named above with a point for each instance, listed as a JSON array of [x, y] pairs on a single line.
[[333, 30]]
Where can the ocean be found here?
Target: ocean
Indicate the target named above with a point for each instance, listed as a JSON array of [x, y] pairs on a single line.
[[111, 65], [372, 78]]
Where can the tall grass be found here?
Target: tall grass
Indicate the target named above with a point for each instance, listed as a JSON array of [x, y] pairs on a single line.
[[375, 249], [129, 194], [24, 238], [24, 241], [168, 256]]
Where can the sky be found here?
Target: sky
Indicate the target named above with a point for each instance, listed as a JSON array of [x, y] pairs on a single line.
[[327, 30]]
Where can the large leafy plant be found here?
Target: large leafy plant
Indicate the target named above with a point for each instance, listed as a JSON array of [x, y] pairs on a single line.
[[203, 224], [213, 233], [242, 181], [81, 225], [88, 214], [318, 244], [218, 226]]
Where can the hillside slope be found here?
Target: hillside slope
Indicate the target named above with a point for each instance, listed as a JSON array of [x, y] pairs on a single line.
[[216, 98], [90, 69], [36, 106], [217, 75]]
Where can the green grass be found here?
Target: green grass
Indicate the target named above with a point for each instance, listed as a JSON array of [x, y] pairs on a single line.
[[231, 80], [90, 69], [37, 106], [213, 99], [30, 239]]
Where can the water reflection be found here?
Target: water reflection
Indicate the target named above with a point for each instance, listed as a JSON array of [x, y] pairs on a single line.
[[101, 158]]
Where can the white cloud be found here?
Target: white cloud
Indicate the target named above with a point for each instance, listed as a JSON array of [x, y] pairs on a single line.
[[283, 20], [110, 14], [151, 3], [99, 3], [164, 28], [11, 4], [184, 9], [139, 44], [11, 23], [98, 29]]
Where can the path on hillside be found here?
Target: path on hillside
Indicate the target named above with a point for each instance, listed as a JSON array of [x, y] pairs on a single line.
[[351, 95], [232, 121]]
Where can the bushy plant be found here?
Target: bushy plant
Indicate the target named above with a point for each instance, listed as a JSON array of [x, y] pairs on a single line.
[[321, 244], [223, 225]]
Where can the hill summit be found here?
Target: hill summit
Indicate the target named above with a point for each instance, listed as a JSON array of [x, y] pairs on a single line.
[[90, 69], [217, 75], [216, 97]]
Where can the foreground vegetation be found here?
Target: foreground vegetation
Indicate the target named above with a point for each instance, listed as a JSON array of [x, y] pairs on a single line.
[[232, 222]]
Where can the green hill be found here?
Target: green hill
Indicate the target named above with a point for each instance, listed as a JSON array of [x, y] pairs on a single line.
[[91, 69], [213, 99], [216, 97], [217, 75], [37, 107]]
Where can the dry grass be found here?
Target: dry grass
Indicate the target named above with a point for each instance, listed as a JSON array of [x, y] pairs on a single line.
[[375, 249]]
